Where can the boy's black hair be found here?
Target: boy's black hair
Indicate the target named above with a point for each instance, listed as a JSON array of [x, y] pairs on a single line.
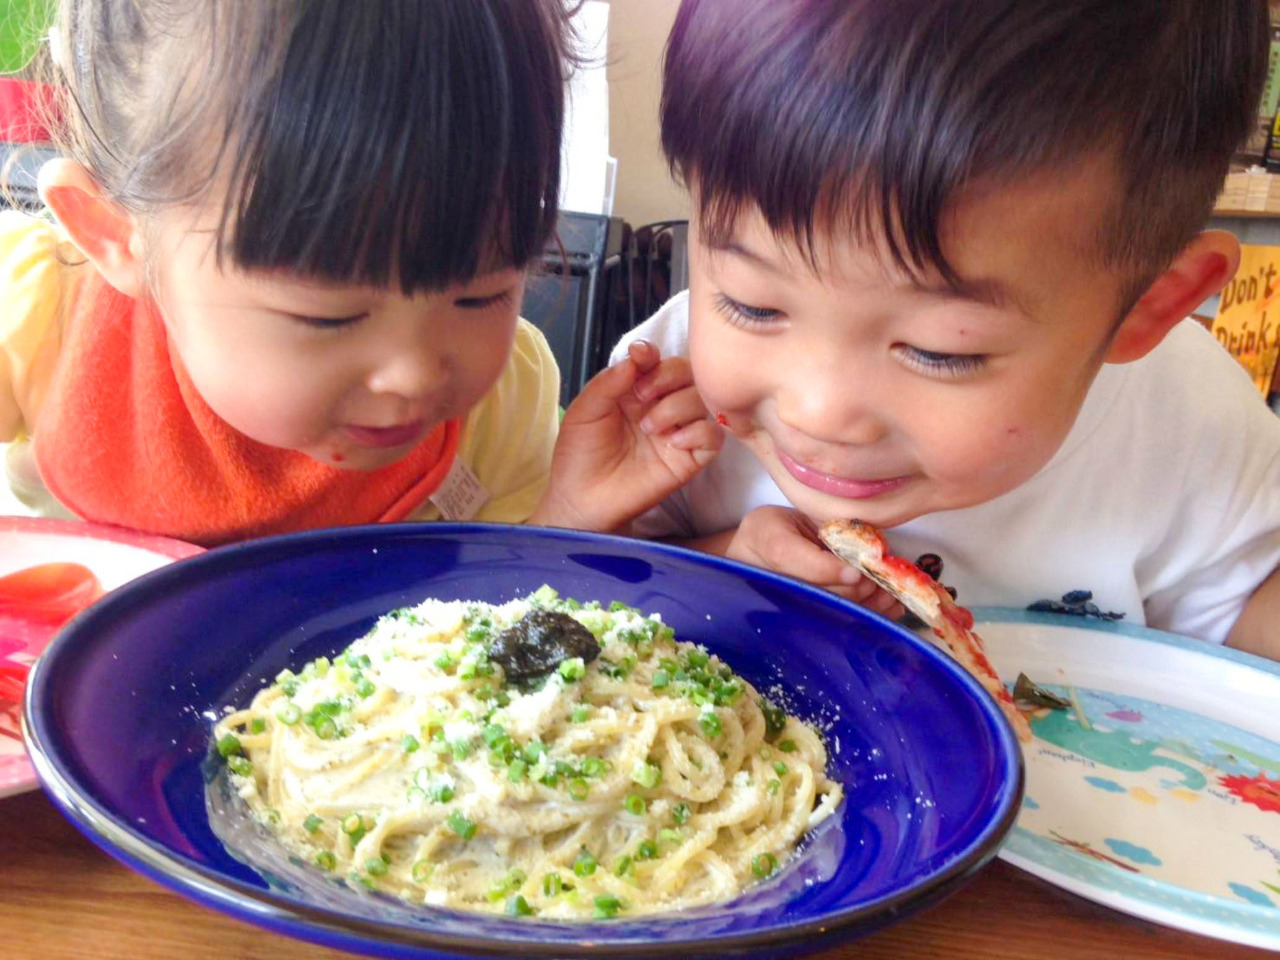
[[870, 115], [413, 142]]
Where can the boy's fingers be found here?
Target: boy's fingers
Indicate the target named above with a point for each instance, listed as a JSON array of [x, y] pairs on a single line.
[[791, 553]]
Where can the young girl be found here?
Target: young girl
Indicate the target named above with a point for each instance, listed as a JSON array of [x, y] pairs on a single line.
[[282, 288]]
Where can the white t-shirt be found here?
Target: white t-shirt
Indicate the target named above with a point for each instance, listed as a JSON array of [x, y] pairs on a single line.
[[1164, 500]]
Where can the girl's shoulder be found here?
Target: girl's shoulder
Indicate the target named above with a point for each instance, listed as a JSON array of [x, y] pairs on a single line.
[[39, 270]]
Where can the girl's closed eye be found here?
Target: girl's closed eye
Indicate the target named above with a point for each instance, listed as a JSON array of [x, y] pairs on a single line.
[[329, 323], [743, 315], [948, 365]]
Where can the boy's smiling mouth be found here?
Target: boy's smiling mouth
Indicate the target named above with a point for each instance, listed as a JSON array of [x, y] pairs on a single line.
[[845, 487]]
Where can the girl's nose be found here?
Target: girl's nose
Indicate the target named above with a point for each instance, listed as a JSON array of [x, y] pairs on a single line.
[[410, 373]]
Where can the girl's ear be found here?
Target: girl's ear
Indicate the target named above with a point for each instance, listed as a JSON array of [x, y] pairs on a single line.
[[1201, 270], [102, 230]]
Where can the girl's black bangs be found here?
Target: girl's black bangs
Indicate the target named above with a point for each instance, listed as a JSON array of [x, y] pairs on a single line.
[[406, 149]]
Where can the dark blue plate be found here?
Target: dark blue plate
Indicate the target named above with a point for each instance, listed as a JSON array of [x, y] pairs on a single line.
[[118, 718]]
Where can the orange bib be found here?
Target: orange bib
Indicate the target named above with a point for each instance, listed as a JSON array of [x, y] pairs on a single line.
[[124, 438]]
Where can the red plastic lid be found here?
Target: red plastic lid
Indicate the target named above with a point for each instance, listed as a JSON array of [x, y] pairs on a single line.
[[23, 103]]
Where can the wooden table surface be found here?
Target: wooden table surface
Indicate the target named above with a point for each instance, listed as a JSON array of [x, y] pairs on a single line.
[[63, 899]]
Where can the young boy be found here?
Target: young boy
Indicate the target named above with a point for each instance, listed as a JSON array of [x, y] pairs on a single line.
[[939, 263]]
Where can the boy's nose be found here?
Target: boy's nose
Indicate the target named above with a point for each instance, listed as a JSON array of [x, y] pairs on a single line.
[[840, 411]]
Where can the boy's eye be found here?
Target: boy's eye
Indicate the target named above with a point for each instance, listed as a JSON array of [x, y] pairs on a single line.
[[743, 315], [481, 303], [947, 364]]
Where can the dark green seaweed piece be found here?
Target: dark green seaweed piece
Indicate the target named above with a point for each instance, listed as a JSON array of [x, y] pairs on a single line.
[[537, 644]]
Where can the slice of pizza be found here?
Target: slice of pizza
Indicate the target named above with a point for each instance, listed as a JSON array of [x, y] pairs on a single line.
[[862, 545]]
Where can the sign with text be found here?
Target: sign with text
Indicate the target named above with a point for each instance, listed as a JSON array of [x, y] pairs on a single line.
[[1248, 311]]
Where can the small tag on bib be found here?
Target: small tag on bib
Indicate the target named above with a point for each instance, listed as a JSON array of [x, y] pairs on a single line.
[[460, 496]]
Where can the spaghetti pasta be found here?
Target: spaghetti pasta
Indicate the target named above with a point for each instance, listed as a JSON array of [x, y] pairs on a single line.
[[643, 777]]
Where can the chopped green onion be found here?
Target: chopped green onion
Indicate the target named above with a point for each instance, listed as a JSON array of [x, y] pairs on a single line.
[[462, 826], [580, 713], [312, 823], [517, 771], [416, 795], [240, 765], [710, 724], [493, 735], [229, 746], [533, 750], [422, 871], [440, 792], [779, 767], [667, 835], [376, 867], [593, 767], [648, 850], [290, 687], [444, 661], [607, 906], [410, 743], [622, 866], [257, 725], [518, 906], [787, 746], [353, 824], [775, 718], [586, 864], [660, 679], [773, 786], [764, 864], [551, 885], [647, 775], [635, 804], [575, 668], [544, 594], [696, 659], [325, 729], [461, 749], [326, 860], [680, 814], [365, 687], [578, 788]]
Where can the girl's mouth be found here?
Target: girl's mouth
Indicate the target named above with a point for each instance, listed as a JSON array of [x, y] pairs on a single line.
[[385, 437], [844, 487]]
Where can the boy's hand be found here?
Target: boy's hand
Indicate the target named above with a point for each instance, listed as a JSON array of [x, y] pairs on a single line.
[[784, 541], [637, 433]]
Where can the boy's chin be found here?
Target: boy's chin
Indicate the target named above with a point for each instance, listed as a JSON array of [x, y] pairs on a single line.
[[884, 512]]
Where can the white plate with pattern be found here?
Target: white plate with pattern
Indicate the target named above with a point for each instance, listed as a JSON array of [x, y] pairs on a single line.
[[1158, 793]]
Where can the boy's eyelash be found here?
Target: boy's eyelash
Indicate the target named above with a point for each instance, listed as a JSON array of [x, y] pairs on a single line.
[[948, 364], [742, 315]]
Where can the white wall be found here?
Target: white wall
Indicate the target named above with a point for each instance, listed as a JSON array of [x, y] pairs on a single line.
[[637, 35]]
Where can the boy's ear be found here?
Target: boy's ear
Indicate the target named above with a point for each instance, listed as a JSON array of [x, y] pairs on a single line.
[[103, 231], [1202, 269]]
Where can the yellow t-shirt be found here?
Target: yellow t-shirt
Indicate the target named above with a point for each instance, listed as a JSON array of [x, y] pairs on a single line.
[[506, 441]]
